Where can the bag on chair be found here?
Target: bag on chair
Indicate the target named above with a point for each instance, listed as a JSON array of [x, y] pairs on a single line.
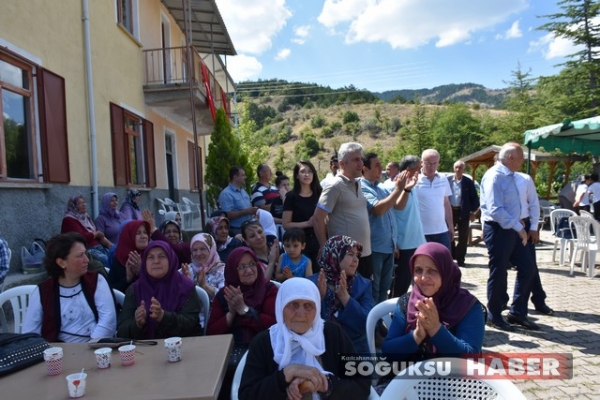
[[20, 350], [32, 258]]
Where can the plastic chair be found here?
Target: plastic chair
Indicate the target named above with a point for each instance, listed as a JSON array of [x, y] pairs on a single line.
[[457, 385], [205, 300], [171, 205], [119, 296], [555, 217], [276, 283], [193, 207], [162, 206], [237, 377], [585, 243], [19, 300], [383, 311]]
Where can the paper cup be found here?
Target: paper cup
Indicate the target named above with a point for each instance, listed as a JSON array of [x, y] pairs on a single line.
[[173, 346], [127, 353], [54, 360], [103, 356], [76, 384]]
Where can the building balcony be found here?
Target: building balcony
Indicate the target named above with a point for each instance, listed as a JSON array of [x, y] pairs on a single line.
[[167, 87]]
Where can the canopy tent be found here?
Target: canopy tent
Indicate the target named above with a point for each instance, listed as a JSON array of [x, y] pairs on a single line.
[[580, 137]]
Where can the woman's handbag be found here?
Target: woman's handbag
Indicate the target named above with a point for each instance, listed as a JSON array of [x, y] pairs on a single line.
[[20, 350]]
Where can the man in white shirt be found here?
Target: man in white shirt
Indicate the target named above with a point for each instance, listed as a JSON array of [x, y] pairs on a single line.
[[433, 192]]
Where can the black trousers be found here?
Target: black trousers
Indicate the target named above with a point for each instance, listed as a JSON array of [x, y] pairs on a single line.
[[459, 248]]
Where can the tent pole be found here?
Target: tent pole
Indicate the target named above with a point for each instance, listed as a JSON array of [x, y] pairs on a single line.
[[528, 157]]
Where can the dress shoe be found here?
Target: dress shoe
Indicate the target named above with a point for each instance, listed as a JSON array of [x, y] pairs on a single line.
[[500, 324], [505, 307], [544, 309], [523, 321]]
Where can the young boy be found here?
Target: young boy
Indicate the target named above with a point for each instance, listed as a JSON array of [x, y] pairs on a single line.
[[293, 262]]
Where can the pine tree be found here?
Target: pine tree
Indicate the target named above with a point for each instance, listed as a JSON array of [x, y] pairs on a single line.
[[579, 22], [224, 151]]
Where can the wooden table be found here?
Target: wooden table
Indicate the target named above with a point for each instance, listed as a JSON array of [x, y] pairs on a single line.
[[197, 376]]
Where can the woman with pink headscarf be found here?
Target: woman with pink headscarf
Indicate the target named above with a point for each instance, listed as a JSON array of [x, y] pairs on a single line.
[[206, 270]]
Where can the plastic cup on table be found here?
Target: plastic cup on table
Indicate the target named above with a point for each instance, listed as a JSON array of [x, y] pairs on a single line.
[[127, 353], [173, 346], [54, 360], [76, 384], [103, 356]]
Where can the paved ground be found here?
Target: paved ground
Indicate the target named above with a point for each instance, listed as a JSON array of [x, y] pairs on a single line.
[[575, 327]]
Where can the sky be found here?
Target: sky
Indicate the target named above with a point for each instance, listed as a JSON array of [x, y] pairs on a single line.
[[382, 45]]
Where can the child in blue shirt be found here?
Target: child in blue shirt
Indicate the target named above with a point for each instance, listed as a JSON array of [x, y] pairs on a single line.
[[293, 262]]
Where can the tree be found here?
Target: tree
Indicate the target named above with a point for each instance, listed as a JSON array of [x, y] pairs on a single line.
[[521, 103], [415, 135], [224, 151], [579, 22]]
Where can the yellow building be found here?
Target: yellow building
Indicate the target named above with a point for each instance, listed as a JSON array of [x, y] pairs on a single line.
[[95, 97]]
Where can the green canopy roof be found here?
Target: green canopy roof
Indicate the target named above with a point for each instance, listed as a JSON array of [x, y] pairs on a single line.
[[580, 137]]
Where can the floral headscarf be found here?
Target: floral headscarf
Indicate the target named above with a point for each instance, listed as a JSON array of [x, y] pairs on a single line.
[[131, 195], [213, 260], [73, 212], [332, 253], [213, 224]]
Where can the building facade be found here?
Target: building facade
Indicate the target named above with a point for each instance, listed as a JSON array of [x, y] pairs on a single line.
[[96, 96]]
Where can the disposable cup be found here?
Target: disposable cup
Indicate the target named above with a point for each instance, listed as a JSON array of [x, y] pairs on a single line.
[[173, 346], [76, 384], [127, 353], [103, 356], [54, 360]]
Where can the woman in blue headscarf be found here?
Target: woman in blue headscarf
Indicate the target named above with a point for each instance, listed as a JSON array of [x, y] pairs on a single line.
[[130, 208], [109, 220]]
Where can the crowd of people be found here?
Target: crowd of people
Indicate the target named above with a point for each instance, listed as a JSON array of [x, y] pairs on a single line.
[[348, 242]]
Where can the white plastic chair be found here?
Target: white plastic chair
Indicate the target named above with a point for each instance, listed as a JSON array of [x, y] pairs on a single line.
[[555, 217], [162, 206], [171, 205], [205, 300], [193, 207], [585, 243], [19, 300], [119, 296], [383, 311], [455, 386], [237, 377]]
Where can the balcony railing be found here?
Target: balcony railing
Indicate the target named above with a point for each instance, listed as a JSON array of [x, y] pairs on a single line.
[[167, 68]]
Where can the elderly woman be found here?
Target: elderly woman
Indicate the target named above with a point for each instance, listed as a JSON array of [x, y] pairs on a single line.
[[206, 269], [346, 296], [127, 261], [77, 219], [109, 220], [438, 318], [268, 254], [246, 304], [162, 302], [73, 304], [300, 354], [130, 207], [218, 227]]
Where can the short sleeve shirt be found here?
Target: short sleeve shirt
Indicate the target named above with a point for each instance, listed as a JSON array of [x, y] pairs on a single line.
[[431, 194]]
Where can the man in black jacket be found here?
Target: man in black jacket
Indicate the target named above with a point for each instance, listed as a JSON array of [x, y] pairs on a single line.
[[464, 202]]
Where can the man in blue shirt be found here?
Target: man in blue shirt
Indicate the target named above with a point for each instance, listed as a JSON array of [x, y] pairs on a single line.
[[382, 222], [4, 261], [234, 200], [505, 238]]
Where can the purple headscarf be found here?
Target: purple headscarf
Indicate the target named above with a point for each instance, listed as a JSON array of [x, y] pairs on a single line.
[[106, 209], [452, 302], [254, 294], [171, 291]]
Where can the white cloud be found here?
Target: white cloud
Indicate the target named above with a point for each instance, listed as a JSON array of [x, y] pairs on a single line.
[[301, 33], [412, 23], [553, 47], [283, 54], [243, 68], [514, 31], [252, 24]]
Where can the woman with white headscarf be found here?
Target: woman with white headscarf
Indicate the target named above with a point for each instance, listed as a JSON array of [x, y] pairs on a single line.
[[298, 357]]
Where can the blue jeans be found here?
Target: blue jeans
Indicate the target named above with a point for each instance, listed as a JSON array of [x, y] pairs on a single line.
[[441, 238], [504, 245], [383, 267]]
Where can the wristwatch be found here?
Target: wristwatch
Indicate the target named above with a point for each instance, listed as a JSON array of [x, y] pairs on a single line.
[[245, 310]]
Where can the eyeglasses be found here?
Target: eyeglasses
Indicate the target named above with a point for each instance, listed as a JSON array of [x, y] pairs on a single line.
[[243, 267], [248, 222]]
